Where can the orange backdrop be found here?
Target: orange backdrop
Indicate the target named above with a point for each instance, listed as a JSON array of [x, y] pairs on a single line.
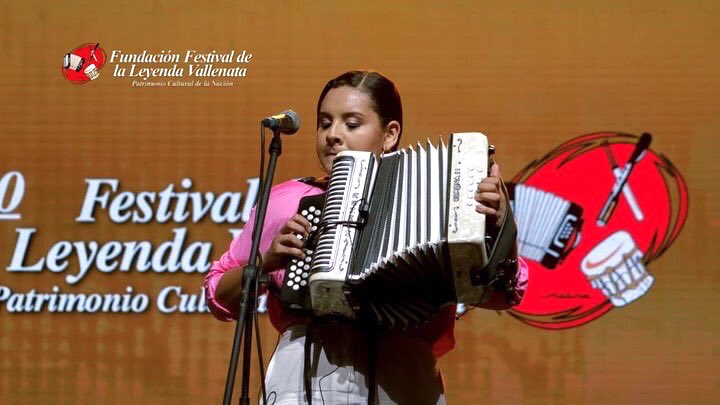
[[530, 75]]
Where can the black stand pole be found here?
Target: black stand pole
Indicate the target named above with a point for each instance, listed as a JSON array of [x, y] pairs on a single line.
[[248, 303]]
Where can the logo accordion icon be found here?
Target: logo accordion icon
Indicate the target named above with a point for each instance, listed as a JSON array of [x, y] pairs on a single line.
[[83, 63], [551, 224]]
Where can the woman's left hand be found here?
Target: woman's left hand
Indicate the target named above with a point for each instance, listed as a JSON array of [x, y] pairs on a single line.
[[491, 200]]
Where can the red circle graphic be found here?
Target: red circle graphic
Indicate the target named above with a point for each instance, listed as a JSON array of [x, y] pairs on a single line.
[[582, 269]]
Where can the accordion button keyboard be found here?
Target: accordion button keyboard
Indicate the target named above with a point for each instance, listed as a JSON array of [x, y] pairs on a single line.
[[294, 292]]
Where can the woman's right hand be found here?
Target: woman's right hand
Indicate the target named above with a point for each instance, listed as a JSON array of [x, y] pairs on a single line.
[[287, 243]]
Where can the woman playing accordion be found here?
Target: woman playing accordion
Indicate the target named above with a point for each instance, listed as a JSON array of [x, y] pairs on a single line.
[[350, 362]]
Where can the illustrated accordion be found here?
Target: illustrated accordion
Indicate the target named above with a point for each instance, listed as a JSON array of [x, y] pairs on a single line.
[[548, 225], [397, 236]]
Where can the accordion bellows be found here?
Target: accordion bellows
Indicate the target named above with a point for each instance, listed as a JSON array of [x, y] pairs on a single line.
[[399, 234]]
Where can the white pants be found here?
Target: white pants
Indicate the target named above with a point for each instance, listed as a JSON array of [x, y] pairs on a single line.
[[405, 371]]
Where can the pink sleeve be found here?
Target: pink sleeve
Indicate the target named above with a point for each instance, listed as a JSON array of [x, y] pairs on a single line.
[[282, 206], [236, 256], [498, 299]]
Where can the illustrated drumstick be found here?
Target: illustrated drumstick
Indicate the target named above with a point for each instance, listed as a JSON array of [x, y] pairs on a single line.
[[621, 180], [92, 53], [627, 191], [630, 197]]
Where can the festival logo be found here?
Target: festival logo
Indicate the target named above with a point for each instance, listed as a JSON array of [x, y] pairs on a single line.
[[592, 215], [83, 64]]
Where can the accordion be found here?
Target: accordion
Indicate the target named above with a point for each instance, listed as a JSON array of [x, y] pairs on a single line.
[[396, 237], [548, 225]]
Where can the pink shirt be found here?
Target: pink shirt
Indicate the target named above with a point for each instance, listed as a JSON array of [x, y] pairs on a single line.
[[283, 204]]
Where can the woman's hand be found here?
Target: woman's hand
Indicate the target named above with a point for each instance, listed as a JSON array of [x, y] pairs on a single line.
[[288, 243], [229, 288], [491, 199]]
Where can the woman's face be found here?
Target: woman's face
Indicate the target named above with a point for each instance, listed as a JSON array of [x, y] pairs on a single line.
[[346, 121]]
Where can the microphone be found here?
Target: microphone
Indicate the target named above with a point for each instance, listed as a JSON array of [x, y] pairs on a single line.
[[621, 180], [287, 122]]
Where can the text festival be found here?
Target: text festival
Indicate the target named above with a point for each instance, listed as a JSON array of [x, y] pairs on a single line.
[[169, 205]]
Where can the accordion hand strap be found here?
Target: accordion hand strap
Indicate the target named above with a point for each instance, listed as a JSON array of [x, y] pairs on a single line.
[[502, 264]]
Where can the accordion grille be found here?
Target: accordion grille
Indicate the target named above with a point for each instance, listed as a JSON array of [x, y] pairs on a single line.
[[342, 170]]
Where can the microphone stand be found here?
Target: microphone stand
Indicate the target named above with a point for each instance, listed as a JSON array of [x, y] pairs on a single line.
[[248, 304]]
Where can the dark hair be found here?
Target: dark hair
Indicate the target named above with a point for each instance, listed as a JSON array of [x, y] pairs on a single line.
[[381, 90]]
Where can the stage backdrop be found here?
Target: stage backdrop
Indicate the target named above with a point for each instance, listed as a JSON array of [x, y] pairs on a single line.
[[129, 158]]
